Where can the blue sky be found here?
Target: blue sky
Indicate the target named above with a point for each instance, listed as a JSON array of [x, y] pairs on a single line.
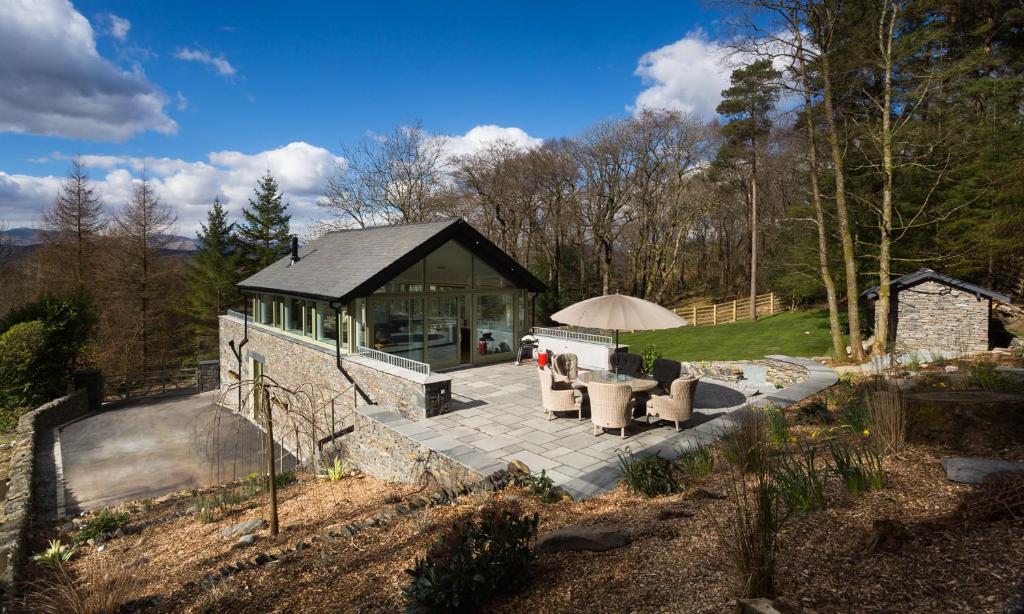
[[203, 93]]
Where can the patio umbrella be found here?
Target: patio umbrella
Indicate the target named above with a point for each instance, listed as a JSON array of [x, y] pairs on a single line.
[[617, 312]]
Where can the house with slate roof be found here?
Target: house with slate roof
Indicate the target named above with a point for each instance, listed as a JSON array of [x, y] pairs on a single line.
[[933, 312], [374, 314]]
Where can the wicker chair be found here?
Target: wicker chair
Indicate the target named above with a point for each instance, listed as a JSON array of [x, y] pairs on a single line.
[[630, 364], [666, 371], [557, 396], [565, 368], [678, 406], [611, 406]]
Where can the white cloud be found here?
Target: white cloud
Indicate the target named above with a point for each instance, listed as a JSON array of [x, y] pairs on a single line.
[[480, 136], [218, 63], [117, 27], [188, 187], [687, 75], [53, 81], [180, 102]]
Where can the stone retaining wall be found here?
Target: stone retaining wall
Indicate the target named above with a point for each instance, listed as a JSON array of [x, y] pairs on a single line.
[[298, 364], [18, 507], [379, 450]]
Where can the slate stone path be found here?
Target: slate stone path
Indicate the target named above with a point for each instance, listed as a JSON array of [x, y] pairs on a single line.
[[497, 417]]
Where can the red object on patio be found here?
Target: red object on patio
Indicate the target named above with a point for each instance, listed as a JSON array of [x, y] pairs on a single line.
[[542, 359]]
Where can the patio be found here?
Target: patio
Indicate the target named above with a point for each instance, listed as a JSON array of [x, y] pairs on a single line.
[[497, 417]]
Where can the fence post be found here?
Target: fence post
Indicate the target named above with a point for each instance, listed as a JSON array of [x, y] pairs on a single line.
[[714, 317], [771, 299], [695, 315], [734, 311]]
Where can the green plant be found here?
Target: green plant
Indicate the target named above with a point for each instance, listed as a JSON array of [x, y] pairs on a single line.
[[914, 362], [696, 462], [540, 485], [336, 471], [745, 445], [939, 359], [55, 554], [858, 467], [649, 354], [256, 484], [103, 523], [111, 586], [985, 375], [147, 504], [813, 412], [750, 530], [650, 476], [887, 412], [475, 560], [776, 424], [800, 482], [855, 417], [211, 506]]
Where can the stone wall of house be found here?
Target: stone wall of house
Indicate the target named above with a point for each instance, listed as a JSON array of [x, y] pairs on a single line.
[[18, 505], [378, 450], [935, 317], [323, 396]]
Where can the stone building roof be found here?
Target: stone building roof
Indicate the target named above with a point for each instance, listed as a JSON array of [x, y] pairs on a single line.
[[346, 264], [923, 275]]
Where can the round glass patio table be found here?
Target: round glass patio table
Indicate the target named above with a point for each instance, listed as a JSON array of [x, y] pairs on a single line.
[[636, 384]]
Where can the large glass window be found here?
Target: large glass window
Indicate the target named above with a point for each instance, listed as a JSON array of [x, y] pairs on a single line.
[[296, 307], [328, 324], [397, 326], [309, 328], [494, 324], [266, 315], [450, 267], [410, 280], [486, 277]]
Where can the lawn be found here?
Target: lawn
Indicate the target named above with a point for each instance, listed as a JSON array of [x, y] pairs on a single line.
[[796, 333]]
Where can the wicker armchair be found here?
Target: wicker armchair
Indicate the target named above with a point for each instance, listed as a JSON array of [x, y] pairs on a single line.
[[565, 368], [666, 371], [557, 396], [611, 406], [678, 406]]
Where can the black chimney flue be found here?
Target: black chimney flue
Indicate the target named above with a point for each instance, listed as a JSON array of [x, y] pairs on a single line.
[[295, 249]]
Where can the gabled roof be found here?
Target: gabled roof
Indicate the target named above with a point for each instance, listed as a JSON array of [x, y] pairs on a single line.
[[347, 264], [923, 275]]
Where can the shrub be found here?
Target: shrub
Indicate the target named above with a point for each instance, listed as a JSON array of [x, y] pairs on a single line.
[[336, 471], [745, 446], [114, 586], [800, 483], [474, 561], [914, 362], [858, 467], [887, 411], [23, 380], [55, 554], [257, 483], [649, 354], [750, 532], [939, 359], [984, 375], [776, 424], [541, 486], [650, 476], [211, 506], [103, 523], [813, 412], [696, 462]]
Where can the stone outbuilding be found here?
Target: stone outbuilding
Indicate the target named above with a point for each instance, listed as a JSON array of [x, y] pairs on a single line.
[[933, 312]]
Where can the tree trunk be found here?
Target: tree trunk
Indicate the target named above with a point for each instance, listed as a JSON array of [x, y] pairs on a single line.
[[842, 215], [753, 236], [882, 305]]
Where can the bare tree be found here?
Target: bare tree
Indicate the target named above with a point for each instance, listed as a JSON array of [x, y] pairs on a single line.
[[73, 223], [393, 178]]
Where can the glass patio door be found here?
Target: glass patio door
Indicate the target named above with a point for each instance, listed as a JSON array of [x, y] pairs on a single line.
[[446, 319]]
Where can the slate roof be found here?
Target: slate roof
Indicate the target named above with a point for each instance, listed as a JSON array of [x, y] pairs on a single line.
[[347, 264], [923, 275]]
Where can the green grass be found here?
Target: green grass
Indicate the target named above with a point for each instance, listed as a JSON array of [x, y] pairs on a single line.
[[782, 333]]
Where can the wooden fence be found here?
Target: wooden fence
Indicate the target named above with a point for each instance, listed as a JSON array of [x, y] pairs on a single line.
[[733, 311], [149, 383]]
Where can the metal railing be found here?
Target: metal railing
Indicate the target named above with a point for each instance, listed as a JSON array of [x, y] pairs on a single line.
[[394, 360], [239, 315], [571, 335]]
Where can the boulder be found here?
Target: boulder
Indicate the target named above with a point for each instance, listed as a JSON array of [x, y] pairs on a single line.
[[518, 466], [242, 528], [246, 540], [576, 537], [755, 606], [975, 470]]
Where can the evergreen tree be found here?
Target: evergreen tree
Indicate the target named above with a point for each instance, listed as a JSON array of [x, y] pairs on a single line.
[[264, 234], [210, 277], [747, 105]]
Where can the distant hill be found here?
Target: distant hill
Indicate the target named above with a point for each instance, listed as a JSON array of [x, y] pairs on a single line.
[[30, 237]]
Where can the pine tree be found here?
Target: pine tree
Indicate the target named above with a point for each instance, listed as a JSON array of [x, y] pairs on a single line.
[[210, 277], [747, 104], [72, 224], [264, 234]]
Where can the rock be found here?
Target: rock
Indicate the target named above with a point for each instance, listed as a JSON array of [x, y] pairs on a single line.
[[246, 540], [975, 470], [755, 606], [119, 532], [300, 546], [951, 369], [101, 548], [261, 559], [518, 467], [576, 537], [249, 526]]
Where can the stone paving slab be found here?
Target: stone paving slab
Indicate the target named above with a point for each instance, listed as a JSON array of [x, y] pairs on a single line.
[[497, 417]]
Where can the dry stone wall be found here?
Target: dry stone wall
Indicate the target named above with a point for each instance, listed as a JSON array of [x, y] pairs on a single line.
[[936, 317]]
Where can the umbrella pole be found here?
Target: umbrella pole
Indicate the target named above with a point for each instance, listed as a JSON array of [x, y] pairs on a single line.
[[616, 352]]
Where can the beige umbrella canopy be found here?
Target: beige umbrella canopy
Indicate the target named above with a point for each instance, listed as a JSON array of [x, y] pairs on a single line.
[[617, 312]]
